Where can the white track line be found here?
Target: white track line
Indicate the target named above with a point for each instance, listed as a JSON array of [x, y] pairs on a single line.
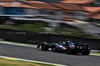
[[18, 45], [10, 58]]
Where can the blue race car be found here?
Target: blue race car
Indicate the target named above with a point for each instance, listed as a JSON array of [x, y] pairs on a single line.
[[67, 47]]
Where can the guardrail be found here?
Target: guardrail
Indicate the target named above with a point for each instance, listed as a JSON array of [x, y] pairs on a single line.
[[37, 38]]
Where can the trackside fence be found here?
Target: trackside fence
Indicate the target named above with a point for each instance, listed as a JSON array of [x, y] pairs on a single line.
[[37, 38]]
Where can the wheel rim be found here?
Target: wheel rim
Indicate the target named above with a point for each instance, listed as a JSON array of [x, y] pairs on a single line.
[[43, 46]]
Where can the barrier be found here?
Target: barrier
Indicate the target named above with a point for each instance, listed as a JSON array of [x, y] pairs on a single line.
[[37, 38]]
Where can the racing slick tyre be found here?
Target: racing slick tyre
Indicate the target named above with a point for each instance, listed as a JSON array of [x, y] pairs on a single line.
[[85, 52], [44, 46]]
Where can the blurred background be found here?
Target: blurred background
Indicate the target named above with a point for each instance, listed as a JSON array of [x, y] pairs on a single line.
[[79, 18]]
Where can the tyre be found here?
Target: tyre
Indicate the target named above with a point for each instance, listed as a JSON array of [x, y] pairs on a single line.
[[85, 52], [44, 46]]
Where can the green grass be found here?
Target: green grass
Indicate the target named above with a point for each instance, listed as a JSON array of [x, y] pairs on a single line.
[[40, 28], [75, 32], [27, 27], [5, 62], [31, 27], [8, 27]]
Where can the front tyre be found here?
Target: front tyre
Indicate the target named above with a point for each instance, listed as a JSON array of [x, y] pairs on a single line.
[[44, 46]]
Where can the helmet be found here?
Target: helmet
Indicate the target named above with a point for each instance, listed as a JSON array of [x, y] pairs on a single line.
[[71, 43], [63, 43]]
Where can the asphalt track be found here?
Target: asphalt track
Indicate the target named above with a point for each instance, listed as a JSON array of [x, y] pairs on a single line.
[[48, 56]]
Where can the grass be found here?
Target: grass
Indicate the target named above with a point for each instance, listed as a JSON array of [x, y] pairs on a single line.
[[8, 27], [5, 62], [39, 27], [75, 32], [95, 53], [31, 27], [27, 27]]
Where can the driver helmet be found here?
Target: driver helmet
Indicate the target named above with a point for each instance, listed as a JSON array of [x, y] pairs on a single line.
[[63, 43], [71, 43]]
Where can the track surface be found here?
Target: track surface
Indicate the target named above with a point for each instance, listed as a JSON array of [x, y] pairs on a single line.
[[48, 56]]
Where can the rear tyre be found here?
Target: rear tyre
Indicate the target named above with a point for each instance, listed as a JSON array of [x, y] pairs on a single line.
[[44, 46], [85, 52]]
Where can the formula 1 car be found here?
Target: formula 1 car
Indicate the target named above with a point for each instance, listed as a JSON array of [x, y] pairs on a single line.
[[67, 47]]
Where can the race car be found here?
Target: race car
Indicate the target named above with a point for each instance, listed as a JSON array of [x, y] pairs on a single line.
[[66, 47]]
